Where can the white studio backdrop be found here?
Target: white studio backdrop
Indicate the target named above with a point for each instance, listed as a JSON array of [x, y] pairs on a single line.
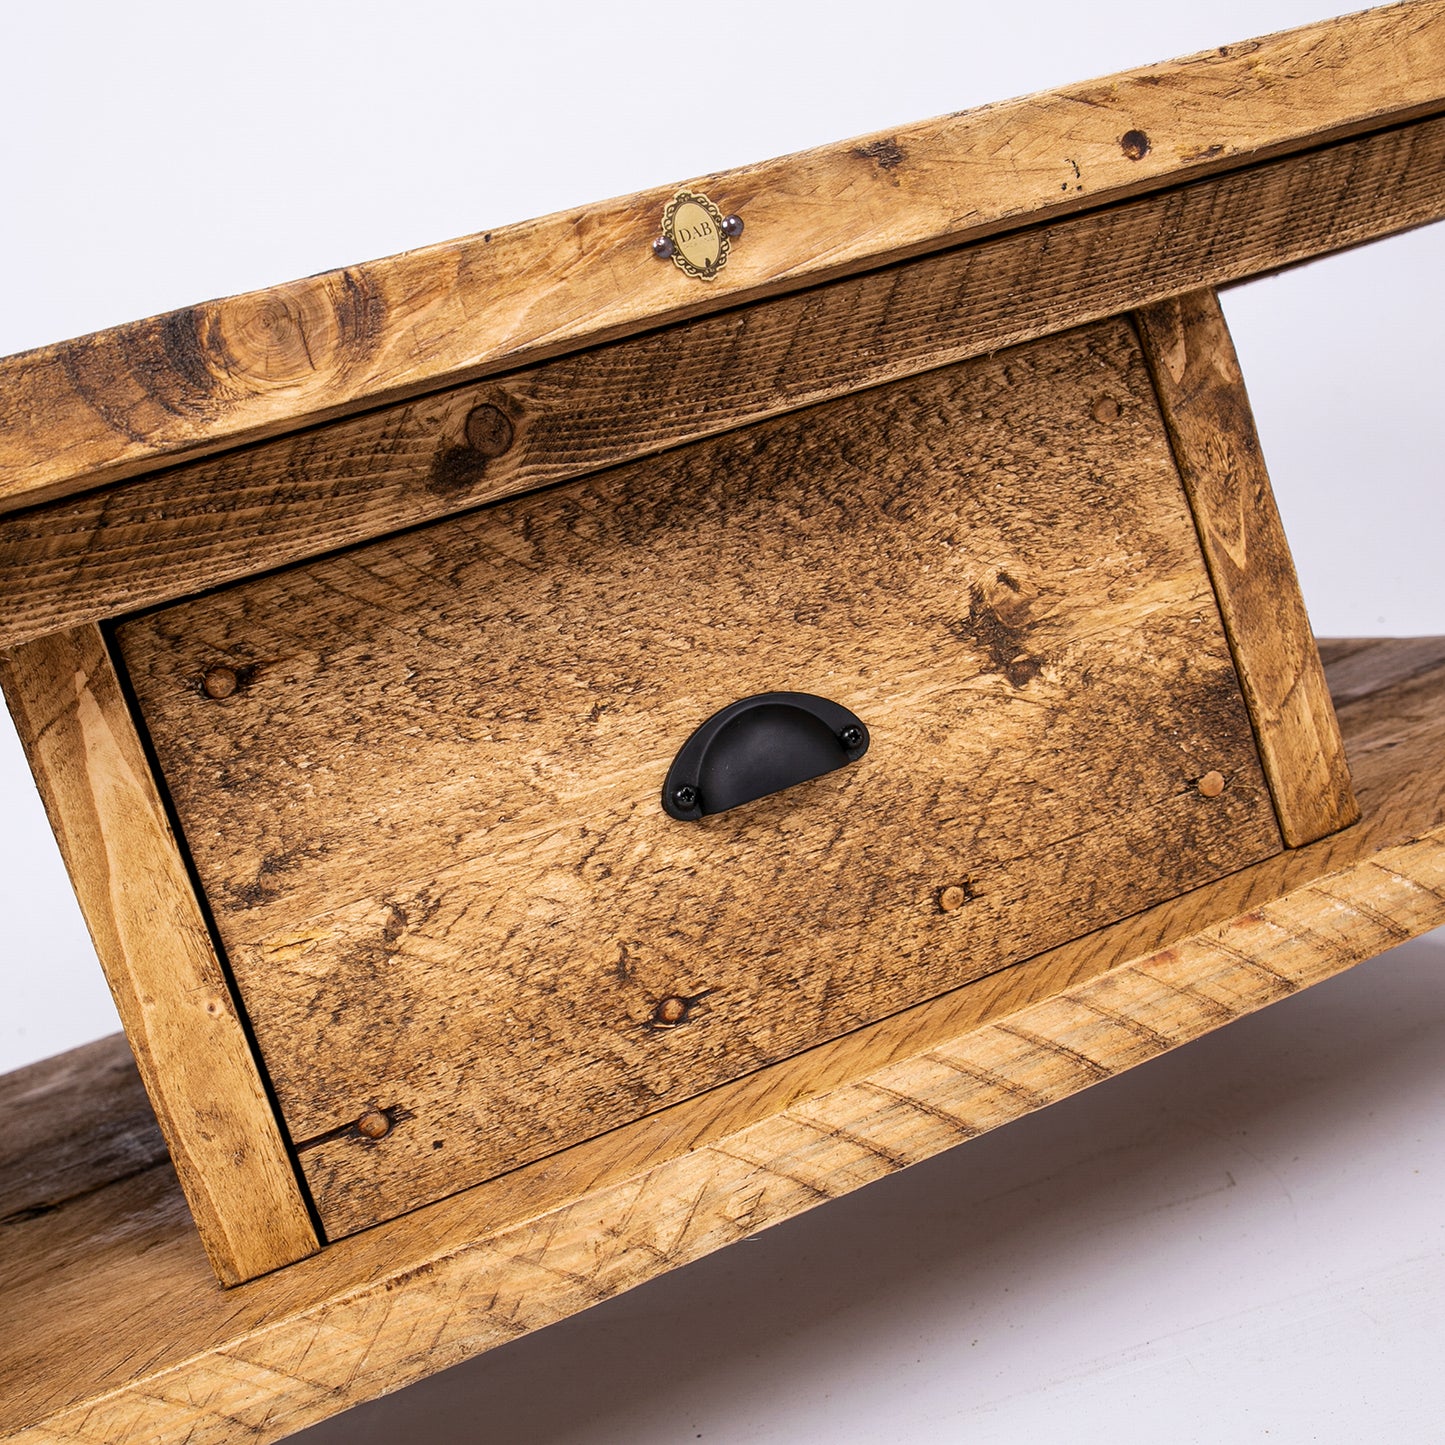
[[157, 154]]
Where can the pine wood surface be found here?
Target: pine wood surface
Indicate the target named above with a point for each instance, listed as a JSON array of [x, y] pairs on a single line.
[[1206, 409], [428, 822], [112, 1328], [187, 529], [152, 940], [214, 375]]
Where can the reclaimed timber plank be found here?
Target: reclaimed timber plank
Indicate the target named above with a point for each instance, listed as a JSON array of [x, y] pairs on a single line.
[[54, 1149]]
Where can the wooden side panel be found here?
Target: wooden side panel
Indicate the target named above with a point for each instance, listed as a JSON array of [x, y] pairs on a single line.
[[426, 808], [168, 984], [1206, 409], [111, 1327], [195, 527], [116, 403]]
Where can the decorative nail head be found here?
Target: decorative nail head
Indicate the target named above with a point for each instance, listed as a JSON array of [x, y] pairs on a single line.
[[219, 682]]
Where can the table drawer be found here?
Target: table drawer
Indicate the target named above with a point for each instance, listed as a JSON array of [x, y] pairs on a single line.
[[420, 781]]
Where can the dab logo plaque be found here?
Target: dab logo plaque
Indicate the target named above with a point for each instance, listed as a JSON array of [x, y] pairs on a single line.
[[696, 236]]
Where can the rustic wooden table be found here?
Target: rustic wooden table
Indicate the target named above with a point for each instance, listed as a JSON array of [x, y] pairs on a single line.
[[1392, 704]]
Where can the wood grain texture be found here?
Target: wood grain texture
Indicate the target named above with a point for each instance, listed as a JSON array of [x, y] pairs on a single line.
[[1205, 406], [194, 527], [152, 941], [428, 826], [111, 1328], [54, 1150], [197, 380]]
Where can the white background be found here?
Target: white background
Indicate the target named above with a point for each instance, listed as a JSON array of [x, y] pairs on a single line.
[[1239, 1242]]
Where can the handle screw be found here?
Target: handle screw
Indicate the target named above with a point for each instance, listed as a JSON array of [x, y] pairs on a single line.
[[851, 736], [685, 797]]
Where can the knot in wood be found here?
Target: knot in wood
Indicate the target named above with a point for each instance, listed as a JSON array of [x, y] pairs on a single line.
[[489, 430], [273, 338]]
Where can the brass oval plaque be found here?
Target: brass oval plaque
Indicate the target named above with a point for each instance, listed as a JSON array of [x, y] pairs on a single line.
[[695, 227]]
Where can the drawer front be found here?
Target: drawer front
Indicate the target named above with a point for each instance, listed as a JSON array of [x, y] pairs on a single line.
[[420, 781]]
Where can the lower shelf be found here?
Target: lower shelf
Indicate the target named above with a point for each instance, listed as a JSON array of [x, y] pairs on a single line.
[[112, 1326]]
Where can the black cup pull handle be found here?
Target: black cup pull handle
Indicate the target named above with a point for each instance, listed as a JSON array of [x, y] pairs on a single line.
[[758, 746]]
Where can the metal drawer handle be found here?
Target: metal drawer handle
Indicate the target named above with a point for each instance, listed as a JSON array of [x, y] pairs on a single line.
[[758, 746]]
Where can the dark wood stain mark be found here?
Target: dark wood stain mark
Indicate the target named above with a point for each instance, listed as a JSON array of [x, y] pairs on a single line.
[[258, 892], [489, 433], [624, 963], [886, 154], [455, 470], [998, 617], [1134, 144], [394, 927], [185, 355], [361, 315]]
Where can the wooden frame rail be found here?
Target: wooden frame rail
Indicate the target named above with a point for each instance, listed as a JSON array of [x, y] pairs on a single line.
[[107, 406]]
